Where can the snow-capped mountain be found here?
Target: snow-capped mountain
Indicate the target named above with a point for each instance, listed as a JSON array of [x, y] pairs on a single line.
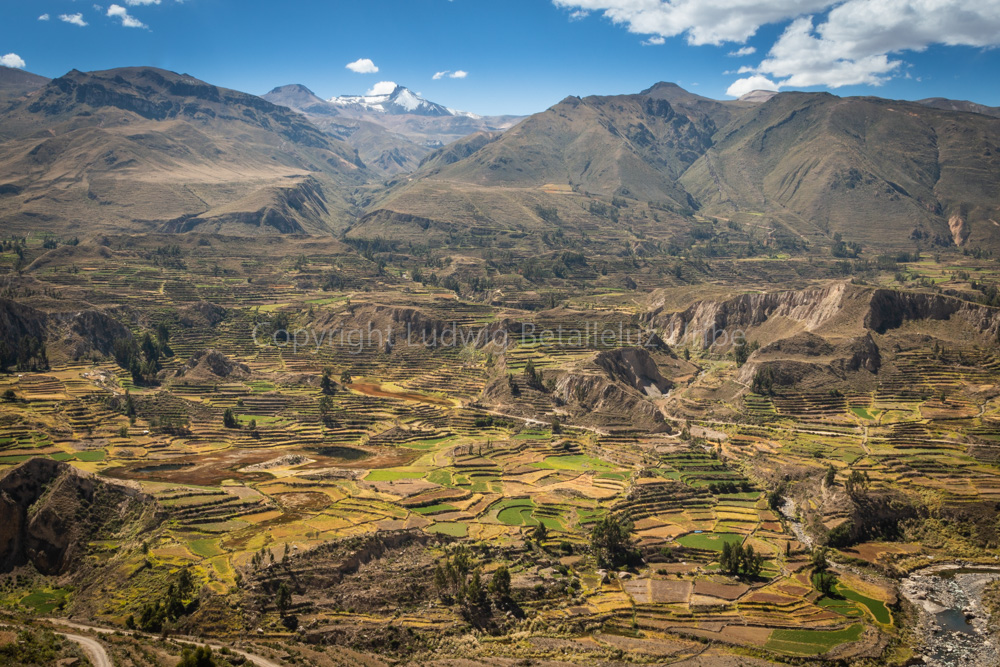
[[389, 97]]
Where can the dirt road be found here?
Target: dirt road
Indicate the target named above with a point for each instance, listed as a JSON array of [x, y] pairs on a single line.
[[92, 648], [100, 654]]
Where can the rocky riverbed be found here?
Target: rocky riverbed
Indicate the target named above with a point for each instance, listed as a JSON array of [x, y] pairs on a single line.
[[953, 622]]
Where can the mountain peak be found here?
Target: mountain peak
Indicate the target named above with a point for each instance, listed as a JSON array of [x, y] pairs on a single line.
[[389, 97], [759, 96], [292, 89]]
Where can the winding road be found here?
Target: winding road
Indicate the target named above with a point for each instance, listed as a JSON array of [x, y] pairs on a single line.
[[93, 648], [99, 656]]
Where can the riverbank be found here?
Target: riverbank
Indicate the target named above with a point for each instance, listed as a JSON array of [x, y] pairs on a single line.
[[953, 621]]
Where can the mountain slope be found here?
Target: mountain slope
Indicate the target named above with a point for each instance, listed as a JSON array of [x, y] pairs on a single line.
[[15, 83], [800, 166], [960, 105], [141, 148], [885, 173]]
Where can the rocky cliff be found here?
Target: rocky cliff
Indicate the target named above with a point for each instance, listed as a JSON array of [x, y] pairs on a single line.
[[50, 511], [840, 309]]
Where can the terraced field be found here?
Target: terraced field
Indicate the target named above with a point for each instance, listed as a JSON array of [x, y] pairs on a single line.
[[446, 445]]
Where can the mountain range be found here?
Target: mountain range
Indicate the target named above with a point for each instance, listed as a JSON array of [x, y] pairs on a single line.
[[393, 128], [140, 148]]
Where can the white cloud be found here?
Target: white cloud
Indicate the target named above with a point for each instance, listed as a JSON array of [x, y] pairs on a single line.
[[75, 19], [362, 66], [829, 43], [756, 82], [382, 88], [12, 60], [745, 51], [128, 21], [43, 17], [137, 3], [703, 21], [457, 74], [578, 15], [655, 40], [440, 75]]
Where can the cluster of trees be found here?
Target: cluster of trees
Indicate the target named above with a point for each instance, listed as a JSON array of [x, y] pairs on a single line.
[[612, 543], [729, 487], [29, 355], [742, 351], [172, 606], [458, 578], [167, 255], [739, 560], [199, 657], [857, 484], [328, 386], [547, 213], [844, 249], [489, 421], [822, 579], [763, 381], [142, 359], [533, 376]]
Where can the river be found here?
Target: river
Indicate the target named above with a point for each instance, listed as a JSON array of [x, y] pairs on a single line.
[[953, 622]]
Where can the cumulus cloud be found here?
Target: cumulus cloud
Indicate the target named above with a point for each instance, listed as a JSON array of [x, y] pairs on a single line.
[[457, 74], [702, 21], [75, 19], [12, 60], [825, 42], [655, 40], [128, 21], [362, 66], [745, 51], [382, 88], [743, 86], [43, 17]]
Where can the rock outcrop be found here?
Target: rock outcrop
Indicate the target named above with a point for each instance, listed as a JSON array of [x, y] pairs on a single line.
[[841, 308], [50, 511], [212, 364]]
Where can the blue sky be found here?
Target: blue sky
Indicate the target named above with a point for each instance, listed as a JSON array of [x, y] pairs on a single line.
[[521, 56]]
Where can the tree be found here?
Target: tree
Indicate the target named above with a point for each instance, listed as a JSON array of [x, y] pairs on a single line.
[[857, 484], [441, 582], [611, 540], [500, 585], [739, 560], [831, 476], [776, 497], [742, 351], [533, 376], [283, 599], [752, 563], [326, 384], [345, 378], [556, 426], [229, 418], [541, 532], [824, 582], [763, 381], [199, 657], [818, 559]]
